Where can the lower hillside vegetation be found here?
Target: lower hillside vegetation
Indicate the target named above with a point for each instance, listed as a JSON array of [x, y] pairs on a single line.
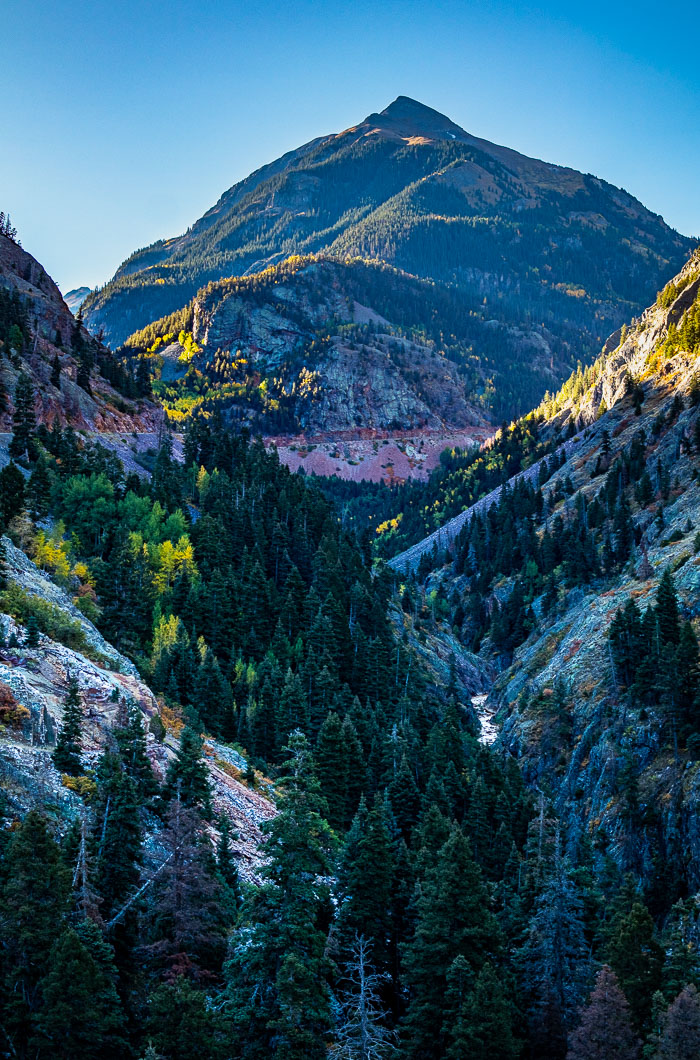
[[420, 895]]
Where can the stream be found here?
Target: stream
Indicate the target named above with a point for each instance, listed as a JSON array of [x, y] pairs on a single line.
[[489, 729]]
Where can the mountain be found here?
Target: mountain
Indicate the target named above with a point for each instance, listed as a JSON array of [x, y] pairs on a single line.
[[579, 590], [41, 339], [534, 248], [75, 298], [322, 345]]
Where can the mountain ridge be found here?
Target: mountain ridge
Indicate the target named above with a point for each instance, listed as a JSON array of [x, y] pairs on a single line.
[[410, 187]]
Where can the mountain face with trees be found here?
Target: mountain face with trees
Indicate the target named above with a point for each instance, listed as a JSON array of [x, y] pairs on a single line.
[[209, 653], [580, 589], [547, 260], [320, 345]]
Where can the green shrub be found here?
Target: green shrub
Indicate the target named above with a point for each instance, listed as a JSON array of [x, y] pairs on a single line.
[[50, 619]]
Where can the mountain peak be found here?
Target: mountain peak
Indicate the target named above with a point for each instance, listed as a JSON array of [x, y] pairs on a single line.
[[407, 118]]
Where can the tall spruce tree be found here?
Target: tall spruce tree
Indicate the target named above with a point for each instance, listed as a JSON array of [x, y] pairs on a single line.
[[81, 1014], [68, 750], [188, 777], [23, 419], [278, 996], [33, 903], [453, 920]]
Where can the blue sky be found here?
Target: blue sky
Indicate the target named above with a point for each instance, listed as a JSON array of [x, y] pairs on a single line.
[[124, 121]]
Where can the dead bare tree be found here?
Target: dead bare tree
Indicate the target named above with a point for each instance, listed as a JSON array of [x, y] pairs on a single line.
[[361, 1030]]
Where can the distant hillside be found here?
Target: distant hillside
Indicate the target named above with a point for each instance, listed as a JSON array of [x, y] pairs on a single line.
[[536, 250], [75, 298], [321, 345]]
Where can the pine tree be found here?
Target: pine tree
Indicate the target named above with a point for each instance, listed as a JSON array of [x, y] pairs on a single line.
[[182, 1026], [131, 741], [680, 1037], [188, 777], [453, 920], [33, 903], [23, 419], [332, 768], [605, 1030], [554, 959], [278, 998], [637, 959], [365, 878], [667, 616], [66, 755], [31, 632], [226, 865], [116, 845], [186, 916], [479, 1020], [39, 489], [81, 1013]]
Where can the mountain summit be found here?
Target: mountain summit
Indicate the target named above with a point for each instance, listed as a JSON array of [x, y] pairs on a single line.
[[406, 118], [534, 249]]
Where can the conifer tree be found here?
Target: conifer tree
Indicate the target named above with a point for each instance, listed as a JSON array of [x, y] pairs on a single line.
[[66, 755], [31, 634], [637, 959], [605, 1029], [131, 741], [667, 616], [188, 777], [81, 1013], [116, 845], [453, 920], [365, 878], [186, 916], [225, 863], [680, 1037], [39, 489], [278, 998], [23, 419], [182, 1026], [33, 903], [554, 959], [478, 1016], [332, 768]]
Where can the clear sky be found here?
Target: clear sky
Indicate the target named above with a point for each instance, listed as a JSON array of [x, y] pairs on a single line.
[[123, 121]]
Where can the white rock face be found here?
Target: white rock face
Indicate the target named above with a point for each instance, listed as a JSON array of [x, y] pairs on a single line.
[[38, 678], [20, 569]]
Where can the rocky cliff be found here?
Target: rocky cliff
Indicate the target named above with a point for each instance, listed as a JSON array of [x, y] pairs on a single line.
[[49, 333], [33, 687], [318, 346]]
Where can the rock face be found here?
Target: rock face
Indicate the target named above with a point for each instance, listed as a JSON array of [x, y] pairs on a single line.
[[38, 679], [51, 325], [386, 381]]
